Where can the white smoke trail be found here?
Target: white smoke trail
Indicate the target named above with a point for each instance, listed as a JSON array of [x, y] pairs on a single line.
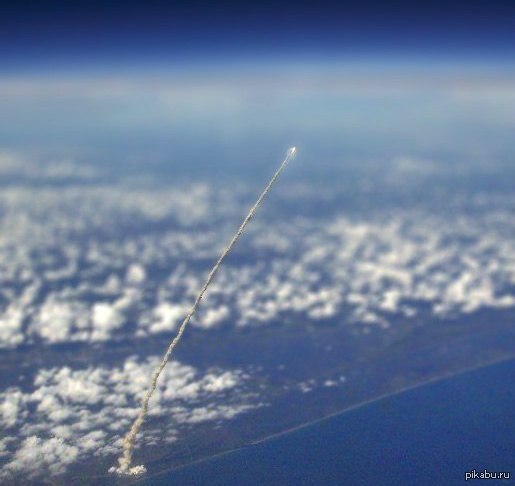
[[128, 442]]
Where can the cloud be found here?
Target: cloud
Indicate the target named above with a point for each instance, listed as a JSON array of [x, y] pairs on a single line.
[[58, 321], [71, 272], [136, 274], [15, 166], [52, 455], [11, 323], [166, 317], [68, 416]]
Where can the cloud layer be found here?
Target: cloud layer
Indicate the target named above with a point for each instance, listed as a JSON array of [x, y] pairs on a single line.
[[66, 415], [88, 262], [92, 264]]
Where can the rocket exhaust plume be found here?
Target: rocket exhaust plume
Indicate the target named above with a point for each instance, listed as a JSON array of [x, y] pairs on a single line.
[[125, 460]]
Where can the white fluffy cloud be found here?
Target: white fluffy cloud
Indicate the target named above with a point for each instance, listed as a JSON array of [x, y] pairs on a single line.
[[70, 415], [166, 317], [70, 272]]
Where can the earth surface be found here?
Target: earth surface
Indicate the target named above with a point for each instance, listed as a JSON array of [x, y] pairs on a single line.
[[383, 259]]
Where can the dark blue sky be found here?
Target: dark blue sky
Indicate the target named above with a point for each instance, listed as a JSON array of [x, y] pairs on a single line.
[[38, 34]]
